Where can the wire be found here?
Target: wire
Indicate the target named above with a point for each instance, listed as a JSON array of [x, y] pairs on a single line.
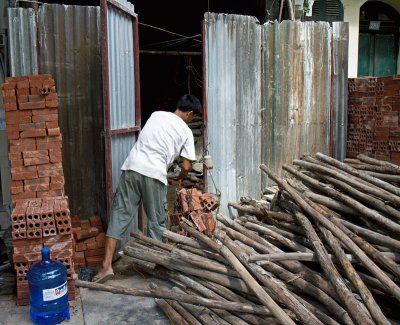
[[173, 33]]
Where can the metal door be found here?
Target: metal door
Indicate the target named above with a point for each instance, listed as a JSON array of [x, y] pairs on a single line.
[[120, 60]]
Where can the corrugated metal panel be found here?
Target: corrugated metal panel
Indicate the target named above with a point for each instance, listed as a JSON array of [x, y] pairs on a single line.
[[233, 83], [340, 46], [121, 85], [297, 91], [22, 41], [70, 52]]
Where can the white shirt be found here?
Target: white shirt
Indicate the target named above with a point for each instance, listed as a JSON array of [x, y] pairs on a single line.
[[164, 138]]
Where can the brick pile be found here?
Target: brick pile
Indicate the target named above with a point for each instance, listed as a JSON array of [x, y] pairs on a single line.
[[373, 118], [40, 216], [89, 242]]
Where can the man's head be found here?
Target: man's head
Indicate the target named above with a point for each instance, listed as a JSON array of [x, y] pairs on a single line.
[[189, 105]]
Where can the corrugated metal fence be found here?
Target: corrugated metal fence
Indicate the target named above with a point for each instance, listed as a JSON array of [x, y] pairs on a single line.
[[271, 112], [69, 49]]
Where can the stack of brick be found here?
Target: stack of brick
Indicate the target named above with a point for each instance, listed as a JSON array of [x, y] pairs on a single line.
[[89, 242], [373, 118], [40, 216]]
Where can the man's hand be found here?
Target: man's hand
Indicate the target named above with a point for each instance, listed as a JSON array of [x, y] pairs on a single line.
[[175, 181]]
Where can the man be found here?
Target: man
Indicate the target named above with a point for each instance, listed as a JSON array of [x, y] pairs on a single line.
[[165, 137]]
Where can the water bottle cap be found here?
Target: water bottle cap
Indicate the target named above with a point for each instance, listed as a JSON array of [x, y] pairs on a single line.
[[45, 250]]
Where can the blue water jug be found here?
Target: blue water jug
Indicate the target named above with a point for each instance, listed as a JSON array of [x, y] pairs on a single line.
[[48, 291]]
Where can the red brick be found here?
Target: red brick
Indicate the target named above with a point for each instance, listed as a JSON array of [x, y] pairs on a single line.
[[94, 252], [86, 233], [89, 240], [16, 189], [51, 97], [9, 85], [53, 132], [12, 135], [28, 126], [23, 143], [34, 233], [95, 245], [37, 188], [36, 98], [49, 145], [33, 133], [27, 257], [9, 107], [35, 154], [101, 237], [18, 235], [45, 118], [16, 163], [23, 84], [57, 179], [94, 261], [8, 92], [23, 196], [37, 181], [18, 117], [58, 254], [85, 223], [36, 161], [31, 105], [36, 83], [80, 246], [35, 90], [22, 173], [49, 193], [52, 124], [50, 172], [22, 92], [28, 248]]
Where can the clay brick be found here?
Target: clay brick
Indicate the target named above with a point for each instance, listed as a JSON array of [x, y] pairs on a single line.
[[64, 230], [53, 132], [63, 221], [33, 224], [18, 226], [25, 172], [20, 145], [22, 92], [10, 100], [75, 221], [86, 233], [35, 83], [36, 98], [9, 85], [35, 154], [33, 133], [94, 252], [101, 237], [47, 221], [18, 235], [35, 90], [33, 213], [24, 195], [94, 261], [95, 245], [49, 231], [45, 118], [51, 124], [27, 257], [16, 189], [49, 193], [37, 188], [51, 97], [31, 105], [21, 99], [36, 161], [8, 92], [49, 145], [12, 135], [52, 103], [16, 163], [22, 84], [56, 239], [10, 107], [80, 246], [18, 117], [89, 240], [29, 247], [85, 223], [61, 254], [34, 233]]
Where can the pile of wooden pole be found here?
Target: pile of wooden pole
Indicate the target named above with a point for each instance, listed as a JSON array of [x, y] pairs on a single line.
[[324, 250]]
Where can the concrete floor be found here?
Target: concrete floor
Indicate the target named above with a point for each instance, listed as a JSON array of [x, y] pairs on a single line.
[[98, 307]]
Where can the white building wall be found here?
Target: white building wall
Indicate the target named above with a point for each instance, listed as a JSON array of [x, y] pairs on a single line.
[[352, 16]]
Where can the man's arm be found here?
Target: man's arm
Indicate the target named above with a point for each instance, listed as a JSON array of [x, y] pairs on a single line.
[[186, 168]]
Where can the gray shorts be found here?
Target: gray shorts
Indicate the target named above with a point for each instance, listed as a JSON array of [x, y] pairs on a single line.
[[132, 189]]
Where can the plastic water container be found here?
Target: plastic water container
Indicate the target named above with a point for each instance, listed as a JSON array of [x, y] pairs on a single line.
[[48, 291]]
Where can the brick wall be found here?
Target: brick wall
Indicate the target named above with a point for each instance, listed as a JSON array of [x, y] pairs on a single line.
[[373, 118]]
